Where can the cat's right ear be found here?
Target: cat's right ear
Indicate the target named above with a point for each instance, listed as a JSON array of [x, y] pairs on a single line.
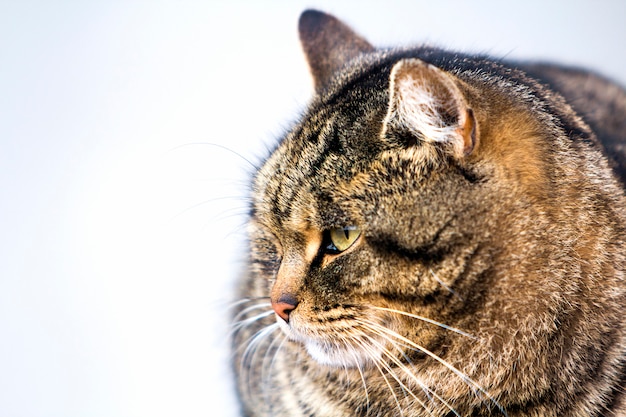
[[328, 45], [427, 105]]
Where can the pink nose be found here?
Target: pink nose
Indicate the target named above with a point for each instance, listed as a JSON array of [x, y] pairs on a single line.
[[284, 306]]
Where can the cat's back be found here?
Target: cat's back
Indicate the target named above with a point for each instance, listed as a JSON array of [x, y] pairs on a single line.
[[599, 101]]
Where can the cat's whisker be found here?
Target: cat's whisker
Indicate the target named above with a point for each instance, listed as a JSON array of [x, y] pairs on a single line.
[[427, 390], [391, 372], [245, 322], [375, 327], [244, 300], [251, 308], [395, 376], [358, 367], [345, 345], [425, 319], [250, 352], [260, 302], [237, 198], [237, 323], [444, 285], [238, 228], [226, 214], [265, 369], [252, 343], [348, 342], [377, 363], [216, 145]]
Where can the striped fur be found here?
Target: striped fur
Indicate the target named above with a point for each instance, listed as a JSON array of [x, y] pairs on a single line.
[[488, 278]]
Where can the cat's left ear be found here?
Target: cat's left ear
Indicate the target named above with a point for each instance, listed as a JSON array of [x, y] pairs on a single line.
[[328, 45], [426, 104]]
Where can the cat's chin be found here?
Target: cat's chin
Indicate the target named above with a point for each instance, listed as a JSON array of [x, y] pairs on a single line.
[[340, 357], [331, 353]]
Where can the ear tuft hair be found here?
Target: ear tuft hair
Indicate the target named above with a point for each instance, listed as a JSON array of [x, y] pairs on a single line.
[[426, 103]]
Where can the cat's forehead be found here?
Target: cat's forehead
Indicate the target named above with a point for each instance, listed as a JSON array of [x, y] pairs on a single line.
[[307, 177]]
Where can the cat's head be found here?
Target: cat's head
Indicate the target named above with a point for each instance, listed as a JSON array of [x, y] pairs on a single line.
[[409, 209]]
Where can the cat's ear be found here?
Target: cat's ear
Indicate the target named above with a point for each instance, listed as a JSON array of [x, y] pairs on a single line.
[[328, 45], [426, 104]]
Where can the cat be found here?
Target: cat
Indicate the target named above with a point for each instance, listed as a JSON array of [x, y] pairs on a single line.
[[440, 234]]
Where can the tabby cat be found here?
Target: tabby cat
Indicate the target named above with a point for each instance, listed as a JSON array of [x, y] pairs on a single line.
[[440, 235]]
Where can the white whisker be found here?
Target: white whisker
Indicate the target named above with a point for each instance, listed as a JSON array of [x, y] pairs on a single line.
[[427, 390], [247, 358], [377, 362], [245, 300], [425, 319], [252, 308], [265, 369], [236, 198], [443, 284], [243, 323], [358, 367], [466, 379], [216, 145], [255, 339]]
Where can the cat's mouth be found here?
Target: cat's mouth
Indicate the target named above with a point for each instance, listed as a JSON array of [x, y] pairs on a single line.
[[346, 345]]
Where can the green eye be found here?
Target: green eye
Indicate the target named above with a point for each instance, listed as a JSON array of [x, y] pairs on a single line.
[[341, 238]]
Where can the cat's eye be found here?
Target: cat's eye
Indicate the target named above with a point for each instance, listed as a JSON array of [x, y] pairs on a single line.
[[341, 238]]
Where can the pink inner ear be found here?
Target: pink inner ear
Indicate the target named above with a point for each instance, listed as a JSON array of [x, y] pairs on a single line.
[[426, 102], [468, 131]]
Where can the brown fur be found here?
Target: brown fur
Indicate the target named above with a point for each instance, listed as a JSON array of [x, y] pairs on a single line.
[[488, 278]]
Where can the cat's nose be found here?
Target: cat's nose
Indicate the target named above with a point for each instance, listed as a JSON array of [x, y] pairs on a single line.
[[284, 306]]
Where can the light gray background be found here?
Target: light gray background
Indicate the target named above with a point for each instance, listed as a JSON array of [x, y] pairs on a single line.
[[121, 229]]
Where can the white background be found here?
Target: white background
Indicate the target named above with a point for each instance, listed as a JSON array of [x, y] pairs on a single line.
[[121, 225]]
